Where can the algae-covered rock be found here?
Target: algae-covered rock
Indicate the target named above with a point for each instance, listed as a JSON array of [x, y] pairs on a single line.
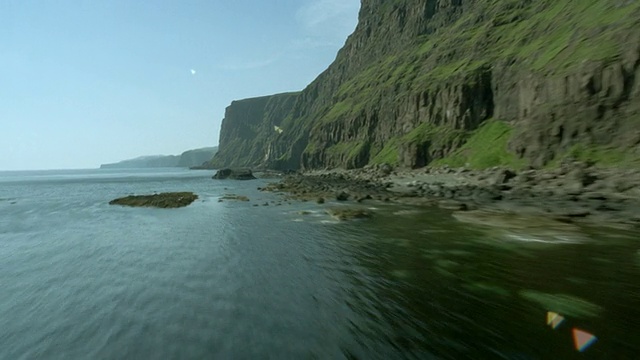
[[163, 200], [234, 174]]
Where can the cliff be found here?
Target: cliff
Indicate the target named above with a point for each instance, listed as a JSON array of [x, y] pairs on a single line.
[[188, 158], [249, 128], [484, 82], [196, 157]]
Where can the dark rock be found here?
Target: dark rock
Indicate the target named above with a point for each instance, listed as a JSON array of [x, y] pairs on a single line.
[[385, 169], [452, 205], [574, 213], [503, 176], [163, 200], [234, 174], [486, 195], [581, 176], [342, 196], [320, 200]]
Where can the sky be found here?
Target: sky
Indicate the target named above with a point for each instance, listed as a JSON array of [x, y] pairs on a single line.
[[85, 82]]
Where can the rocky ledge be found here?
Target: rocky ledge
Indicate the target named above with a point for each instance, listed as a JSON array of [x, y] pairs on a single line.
[[573, 192], [163, 200]]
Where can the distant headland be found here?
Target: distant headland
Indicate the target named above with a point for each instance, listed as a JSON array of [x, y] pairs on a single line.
[[188, 159]]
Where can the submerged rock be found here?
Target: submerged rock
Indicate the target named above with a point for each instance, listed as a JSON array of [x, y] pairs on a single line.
[[163, 200], [234, 197], [349, 213], [234, 174]]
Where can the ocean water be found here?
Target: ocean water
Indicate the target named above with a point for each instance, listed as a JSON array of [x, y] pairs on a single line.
[[81, 279]]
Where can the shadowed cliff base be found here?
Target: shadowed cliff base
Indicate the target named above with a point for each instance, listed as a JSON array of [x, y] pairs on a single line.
[[490, 82]]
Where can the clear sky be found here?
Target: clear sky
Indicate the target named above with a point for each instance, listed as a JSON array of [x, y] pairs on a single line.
[[86, 82]]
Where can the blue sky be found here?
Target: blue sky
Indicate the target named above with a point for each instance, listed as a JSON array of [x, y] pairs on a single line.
[[86, 82]]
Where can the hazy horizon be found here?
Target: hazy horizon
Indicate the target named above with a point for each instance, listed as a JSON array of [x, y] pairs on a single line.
[[86, 83]]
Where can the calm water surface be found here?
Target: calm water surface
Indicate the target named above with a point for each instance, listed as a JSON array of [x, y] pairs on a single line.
[[80, 279]]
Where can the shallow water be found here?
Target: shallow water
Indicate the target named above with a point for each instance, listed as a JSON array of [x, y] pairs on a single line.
[[82, 279]]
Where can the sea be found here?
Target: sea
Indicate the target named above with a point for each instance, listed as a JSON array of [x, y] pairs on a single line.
[[277, 279]]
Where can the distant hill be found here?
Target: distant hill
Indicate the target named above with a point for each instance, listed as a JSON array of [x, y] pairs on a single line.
[[189, 158]]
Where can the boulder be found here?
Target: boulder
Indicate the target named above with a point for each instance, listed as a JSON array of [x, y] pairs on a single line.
[[503, 176], [342, 196], [385, 169], [234, 174]]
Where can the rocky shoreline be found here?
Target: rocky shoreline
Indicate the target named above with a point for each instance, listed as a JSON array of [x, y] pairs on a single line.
[[574, 192]]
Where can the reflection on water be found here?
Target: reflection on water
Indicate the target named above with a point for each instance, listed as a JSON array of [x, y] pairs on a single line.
[[485, 293], [82, 279]]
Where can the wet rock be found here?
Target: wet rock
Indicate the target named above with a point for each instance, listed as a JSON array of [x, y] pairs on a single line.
[[163, 200], [320, 200], [342, 196], [234, 197], [234, 174], [581, 176], [385, 169], [452, 205], [486, 195], [342, 213], [502, 177]]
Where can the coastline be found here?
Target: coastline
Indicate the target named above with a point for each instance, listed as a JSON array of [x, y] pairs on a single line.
[[575, 192]]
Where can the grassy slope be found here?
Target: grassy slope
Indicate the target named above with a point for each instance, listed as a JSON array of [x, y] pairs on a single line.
[[549, 36], [486, 147]]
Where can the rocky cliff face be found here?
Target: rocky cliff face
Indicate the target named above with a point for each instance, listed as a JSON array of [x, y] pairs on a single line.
[[250, 128], [487, 82], [197, 157]]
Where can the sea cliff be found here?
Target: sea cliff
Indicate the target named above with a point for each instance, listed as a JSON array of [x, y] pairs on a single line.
[[514, 83]]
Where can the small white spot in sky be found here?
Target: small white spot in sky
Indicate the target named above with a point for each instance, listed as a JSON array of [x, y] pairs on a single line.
[[193, 72]]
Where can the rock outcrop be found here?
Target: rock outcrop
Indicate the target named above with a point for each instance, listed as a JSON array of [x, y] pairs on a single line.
[[489, 82], [251, 128], [163, 200], [234, 174]]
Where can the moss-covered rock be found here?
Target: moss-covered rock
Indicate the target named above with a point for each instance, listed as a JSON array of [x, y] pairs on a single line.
[[163, 200]]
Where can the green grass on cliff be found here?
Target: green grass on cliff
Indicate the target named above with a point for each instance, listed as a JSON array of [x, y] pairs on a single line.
[[553, 37], [436, 135], [540, 36], [349, 150], [388, 154], [486, 147]]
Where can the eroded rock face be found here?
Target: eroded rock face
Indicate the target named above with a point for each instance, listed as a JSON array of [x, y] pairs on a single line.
[[163, 200], [234, 174]]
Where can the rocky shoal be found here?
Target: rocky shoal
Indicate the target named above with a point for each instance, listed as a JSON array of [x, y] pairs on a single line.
[[573, 192]]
